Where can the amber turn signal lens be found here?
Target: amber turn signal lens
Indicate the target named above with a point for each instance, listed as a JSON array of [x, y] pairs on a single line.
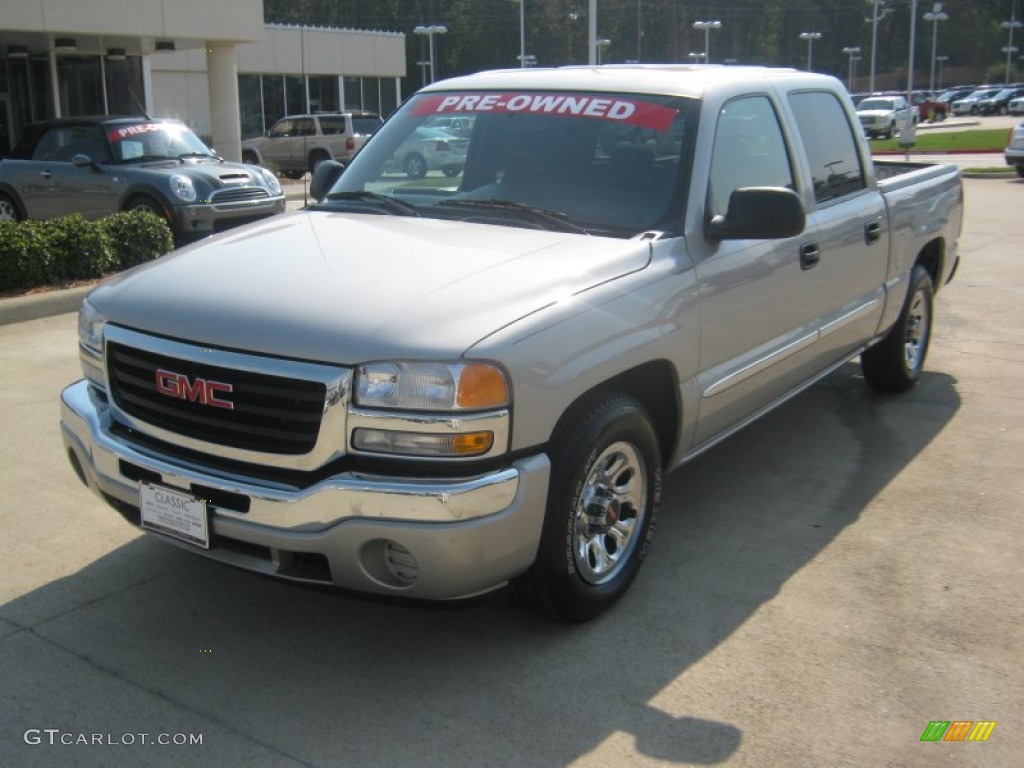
[[482, 386]]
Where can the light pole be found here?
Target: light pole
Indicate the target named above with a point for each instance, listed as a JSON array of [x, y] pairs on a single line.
[[875, 18], [696, 56], [600, 45], [707, 26], [935, 16], [430, 31], [852, 52], [941, 60], [423, 70], [1009, 50], [522, 34], [810, 37]]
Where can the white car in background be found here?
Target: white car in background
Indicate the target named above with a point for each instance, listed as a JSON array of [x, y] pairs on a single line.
[[1016, 106], [883, 115]]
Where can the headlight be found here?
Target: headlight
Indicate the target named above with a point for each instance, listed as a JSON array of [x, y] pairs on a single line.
[[90, 339], [90, 327], [271, 181], [183, 188], [431, 386]]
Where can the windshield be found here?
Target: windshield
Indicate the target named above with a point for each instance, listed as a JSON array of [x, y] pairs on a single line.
[[876, 104], [609, 164], [155, 141]]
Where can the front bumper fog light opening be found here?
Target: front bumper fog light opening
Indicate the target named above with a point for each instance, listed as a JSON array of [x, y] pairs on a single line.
[[390, 564]]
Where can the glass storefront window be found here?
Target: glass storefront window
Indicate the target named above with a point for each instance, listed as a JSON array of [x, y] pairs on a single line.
[[273, 99], [125, 95], [323, 93], [249, 105], [295, 95]]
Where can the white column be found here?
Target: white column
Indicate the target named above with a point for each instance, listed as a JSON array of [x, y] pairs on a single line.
[[54, 85], [225, 122], [147, 83]]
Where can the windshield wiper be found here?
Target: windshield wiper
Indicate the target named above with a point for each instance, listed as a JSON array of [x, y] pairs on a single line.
[[185, 155], [556, 220], [390, 203]]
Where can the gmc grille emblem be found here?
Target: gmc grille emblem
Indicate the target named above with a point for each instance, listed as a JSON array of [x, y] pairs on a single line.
[[195, 390]]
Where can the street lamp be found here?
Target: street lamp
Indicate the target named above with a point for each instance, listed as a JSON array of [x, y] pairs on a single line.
[[810, 37], [1009, 50], [600, 45], [935, 16], [851, 51], [522, 34], [696, 56], [430, 31], [941, 60], [875, 18], [423, 70], [707, 26]]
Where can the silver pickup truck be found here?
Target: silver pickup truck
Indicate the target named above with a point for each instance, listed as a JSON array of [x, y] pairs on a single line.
[[431, 387]]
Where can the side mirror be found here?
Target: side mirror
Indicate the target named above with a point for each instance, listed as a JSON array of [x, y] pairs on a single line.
[[326, 173], [759, 213]]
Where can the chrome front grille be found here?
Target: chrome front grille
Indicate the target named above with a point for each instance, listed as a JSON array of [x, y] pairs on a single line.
[[234, 405], [238, 195]]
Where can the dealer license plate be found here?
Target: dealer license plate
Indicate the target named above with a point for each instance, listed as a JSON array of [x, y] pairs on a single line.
[[174, 513]]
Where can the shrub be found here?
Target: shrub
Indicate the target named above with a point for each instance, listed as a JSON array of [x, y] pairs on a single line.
[[136, 237], [78, 249], [56, 251], [24, 254]]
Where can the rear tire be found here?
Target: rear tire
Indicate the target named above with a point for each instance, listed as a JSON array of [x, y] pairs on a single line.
[[602, 504], [895, 363], [315, 158], [9, 210], [250, 158], [1020, 171]]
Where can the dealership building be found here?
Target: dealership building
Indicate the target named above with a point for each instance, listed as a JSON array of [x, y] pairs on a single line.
[[214, 64]]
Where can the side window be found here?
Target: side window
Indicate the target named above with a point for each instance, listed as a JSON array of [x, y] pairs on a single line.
[[830, 144], [749, 151], [304, 127], [61, 144], [333, 125], [281, 129]]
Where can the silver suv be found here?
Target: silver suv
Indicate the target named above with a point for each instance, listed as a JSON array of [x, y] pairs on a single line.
[[298, 143]]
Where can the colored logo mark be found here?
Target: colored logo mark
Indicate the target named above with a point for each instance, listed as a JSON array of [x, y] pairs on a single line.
[[958, 730]]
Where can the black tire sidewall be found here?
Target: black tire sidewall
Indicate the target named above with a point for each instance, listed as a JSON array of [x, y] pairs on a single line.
[[884, 365], [617, 420]]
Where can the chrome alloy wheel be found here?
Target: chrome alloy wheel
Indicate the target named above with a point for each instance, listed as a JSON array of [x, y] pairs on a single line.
[[915, 340], [610, 510]]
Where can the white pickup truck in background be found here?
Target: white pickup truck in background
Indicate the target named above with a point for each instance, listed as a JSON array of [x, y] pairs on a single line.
[[430, 386]]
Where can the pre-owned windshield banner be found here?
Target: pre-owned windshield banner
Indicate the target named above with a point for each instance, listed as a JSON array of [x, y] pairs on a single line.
[[602, 107]]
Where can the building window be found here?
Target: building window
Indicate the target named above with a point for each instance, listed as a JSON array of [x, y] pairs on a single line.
[[323, 93], [124, 87], [273, 98], [295, 95], [250, 105]]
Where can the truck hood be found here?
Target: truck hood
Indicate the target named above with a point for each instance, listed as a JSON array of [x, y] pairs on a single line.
[[347, 288]]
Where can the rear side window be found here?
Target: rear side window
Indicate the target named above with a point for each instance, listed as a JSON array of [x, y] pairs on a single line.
[[830, 144], [333, 125]]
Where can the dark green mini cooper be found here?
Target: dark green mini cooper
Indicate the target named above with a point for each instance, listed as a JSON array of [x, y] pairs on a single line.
[[99, 165]]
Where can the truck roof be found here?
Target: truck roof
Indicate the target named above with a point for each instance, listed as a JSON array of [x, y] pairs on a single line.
[[691, 80]]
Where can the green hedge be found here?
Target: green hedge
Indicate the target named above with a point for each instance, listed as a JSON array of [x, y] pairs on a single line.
[[58, 251]]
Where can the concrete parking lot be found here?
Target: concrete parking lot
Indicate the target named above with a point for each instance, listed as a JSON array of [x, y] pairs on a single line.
[[822, 586]]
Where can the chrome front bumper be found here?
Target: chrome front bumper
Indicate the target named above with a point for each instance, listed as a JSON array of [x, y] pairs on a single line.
[[453, 537]]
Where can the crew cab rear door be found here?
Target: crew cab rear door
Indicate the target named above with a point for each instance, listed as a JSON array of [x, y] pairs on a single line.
[[846, 223]]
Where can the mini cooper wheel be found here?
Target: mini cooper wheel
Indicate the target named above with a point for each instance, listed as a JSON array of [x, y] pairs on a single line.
[[602, 504], [895, 363], [9, 209]]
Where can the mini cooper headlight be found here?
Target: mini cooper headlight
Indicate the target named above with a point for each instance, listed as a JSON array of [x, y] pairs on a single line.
[[183, 188], [271, 181]]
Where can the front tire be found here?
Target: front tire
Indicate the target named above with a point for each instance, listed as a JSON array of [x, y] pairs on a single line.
[[602, 505], [895, 363], [415, 166]]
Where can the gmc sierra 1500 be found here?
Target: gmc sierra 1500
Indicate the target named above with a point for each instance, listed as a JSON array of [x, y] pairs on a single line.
[[433, 386]]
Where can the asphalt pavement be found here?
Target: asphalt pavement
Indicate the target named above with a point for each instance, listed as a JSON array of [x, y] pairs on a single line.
[[822, 586]]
